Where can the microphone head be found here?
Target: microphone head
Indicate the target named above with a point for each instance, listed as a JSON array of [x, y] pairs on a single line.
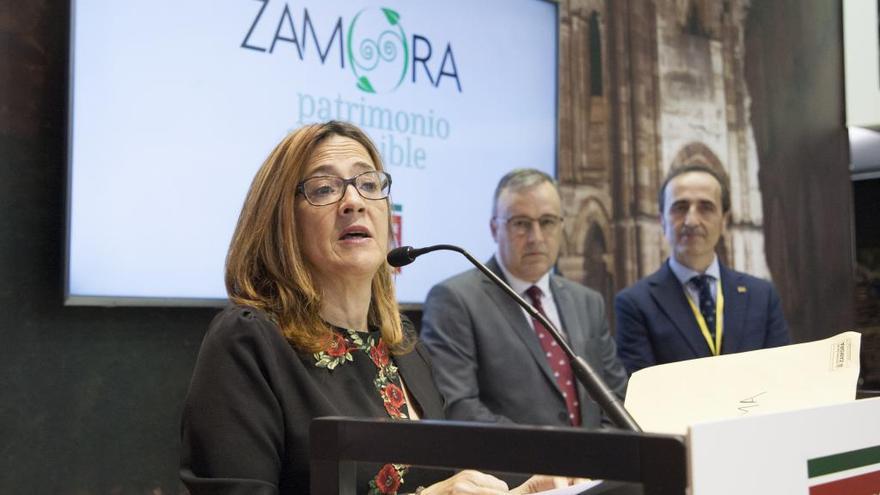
[[401, 256]]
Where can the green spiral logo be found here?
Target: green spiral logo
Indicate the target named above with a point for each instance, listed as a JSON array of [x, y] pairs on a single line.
[[377, 50]]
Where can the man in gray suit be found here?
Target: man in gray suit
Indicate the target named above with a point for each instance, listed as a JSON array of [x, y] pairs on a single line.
[[492, 362]]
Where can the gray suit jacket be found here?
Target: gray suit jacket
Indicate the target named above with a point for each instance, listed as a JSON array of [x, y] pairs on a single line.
[[487, 359]]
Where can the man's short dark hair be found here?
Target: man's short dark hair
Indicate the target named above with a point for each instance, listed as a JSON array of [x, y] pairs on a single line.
[[719, 175], [519, 179]]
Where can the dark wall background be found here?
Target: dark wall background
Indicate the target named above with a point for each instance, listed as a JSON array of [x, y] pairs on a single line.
[[90, 397]]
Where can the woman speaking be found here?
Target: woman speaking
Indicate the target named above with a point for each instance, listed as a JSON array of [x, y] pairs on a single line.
[[313, 330]]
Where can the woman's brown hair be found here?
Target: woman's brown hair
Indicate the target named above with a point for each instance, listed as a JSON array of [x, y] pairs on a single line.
[[265, 268]]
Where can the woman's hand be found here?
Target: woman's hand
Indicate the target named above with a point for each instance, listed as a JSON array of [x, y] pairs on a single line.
[[468, 482], [541, 482]]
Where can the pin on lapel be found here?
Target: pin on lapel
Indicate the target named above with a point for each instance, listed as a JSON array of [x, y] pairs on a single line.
[[741, 289]]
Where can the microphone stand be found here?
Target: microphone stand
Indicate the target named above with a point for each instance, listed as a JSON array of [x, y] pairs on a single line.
[[582, 370]]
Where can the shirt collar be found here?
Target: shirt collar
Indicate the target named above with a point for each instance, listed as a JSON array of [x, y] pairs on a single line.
[[521, 286], [685, 274]]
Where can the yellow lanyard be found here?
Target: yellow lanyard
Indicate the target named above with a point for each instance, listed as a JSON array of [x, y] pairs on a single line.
[[714, 347]]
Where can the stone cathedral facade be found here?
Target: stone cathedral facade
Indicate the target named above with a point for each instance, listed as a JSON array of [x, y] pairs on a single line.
[[646, 85]]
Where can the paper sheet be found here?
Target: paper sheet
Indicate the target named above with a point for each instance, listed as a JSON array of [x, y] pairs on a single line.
[[669, 397], [571, 490]]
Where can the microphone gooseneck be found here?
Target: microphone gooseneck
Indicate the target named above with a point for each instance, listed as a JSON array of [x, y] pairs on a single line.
[[584, 373]]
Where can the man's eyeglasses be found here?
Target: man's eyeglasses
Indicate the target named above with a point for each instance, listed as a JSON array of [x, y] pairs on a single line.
[[522, 225], [328, 189]]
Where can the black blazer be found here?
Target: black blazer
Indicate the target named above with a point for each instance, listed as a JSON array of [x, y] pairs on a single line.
[[245, 427]]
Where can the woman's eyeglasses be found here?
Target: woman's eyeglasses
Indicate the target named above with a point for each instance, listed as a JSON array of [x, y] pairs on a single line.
[[324, 190]]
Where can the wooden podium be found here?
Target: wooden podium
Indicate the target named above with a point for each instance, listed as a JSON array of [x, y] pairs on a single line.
[[657, 462], [827, 450]]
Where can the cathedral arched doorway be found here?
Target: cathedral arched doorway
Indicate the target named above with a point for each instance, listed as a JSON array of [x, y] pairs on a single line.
[[596, 273]]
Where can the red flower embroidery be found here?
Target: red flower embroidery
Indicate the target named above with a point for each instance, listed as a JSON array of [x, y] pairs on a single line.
[[393, 411], [393, 395], [387, 479], [379, 354], [338, 347]]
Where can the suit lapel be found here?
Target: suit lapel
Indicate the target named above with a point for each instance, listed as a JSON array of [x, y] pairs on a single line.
[[736, 301], [671, 299], [517, 321], [568, 314], [417, 379], [575, 331]]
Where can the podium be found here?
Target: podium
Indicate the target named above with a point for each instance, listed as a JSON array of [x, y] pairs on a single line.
[[658, 462], [827, 450]]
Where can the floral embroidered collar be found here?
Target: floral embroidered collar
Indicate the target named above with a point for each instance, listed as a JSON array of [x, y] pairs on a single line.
[[387, 382], [387, 379]]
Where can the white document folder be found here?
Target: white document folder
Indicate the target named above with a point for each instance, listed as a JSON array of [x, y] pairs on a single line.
[[668, 398]]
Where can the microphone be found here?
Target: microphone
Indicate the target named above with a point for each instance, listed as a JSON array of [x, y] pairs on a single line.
[[584, 373], [405, 255]]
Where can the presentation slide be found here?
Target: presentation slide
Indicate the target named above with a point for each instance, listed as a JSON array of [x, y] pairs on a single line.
[[174, 106]]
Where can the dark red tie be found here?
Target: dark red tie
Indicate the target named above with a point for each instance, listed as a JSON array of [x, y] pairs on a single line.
[[557, 359]]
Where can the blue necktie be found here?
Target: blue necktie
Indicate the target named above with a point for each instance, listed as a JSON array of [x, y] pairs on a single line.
[[707, 303]]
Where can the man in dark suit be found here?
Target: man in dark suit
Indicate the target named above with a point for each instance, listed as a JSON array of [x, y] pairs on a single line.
[[491, 361], [693, 306]]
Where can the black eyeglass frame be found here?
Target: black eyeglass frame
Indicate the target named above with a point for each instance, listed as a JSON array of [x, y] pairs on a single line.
[[300, 188]]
